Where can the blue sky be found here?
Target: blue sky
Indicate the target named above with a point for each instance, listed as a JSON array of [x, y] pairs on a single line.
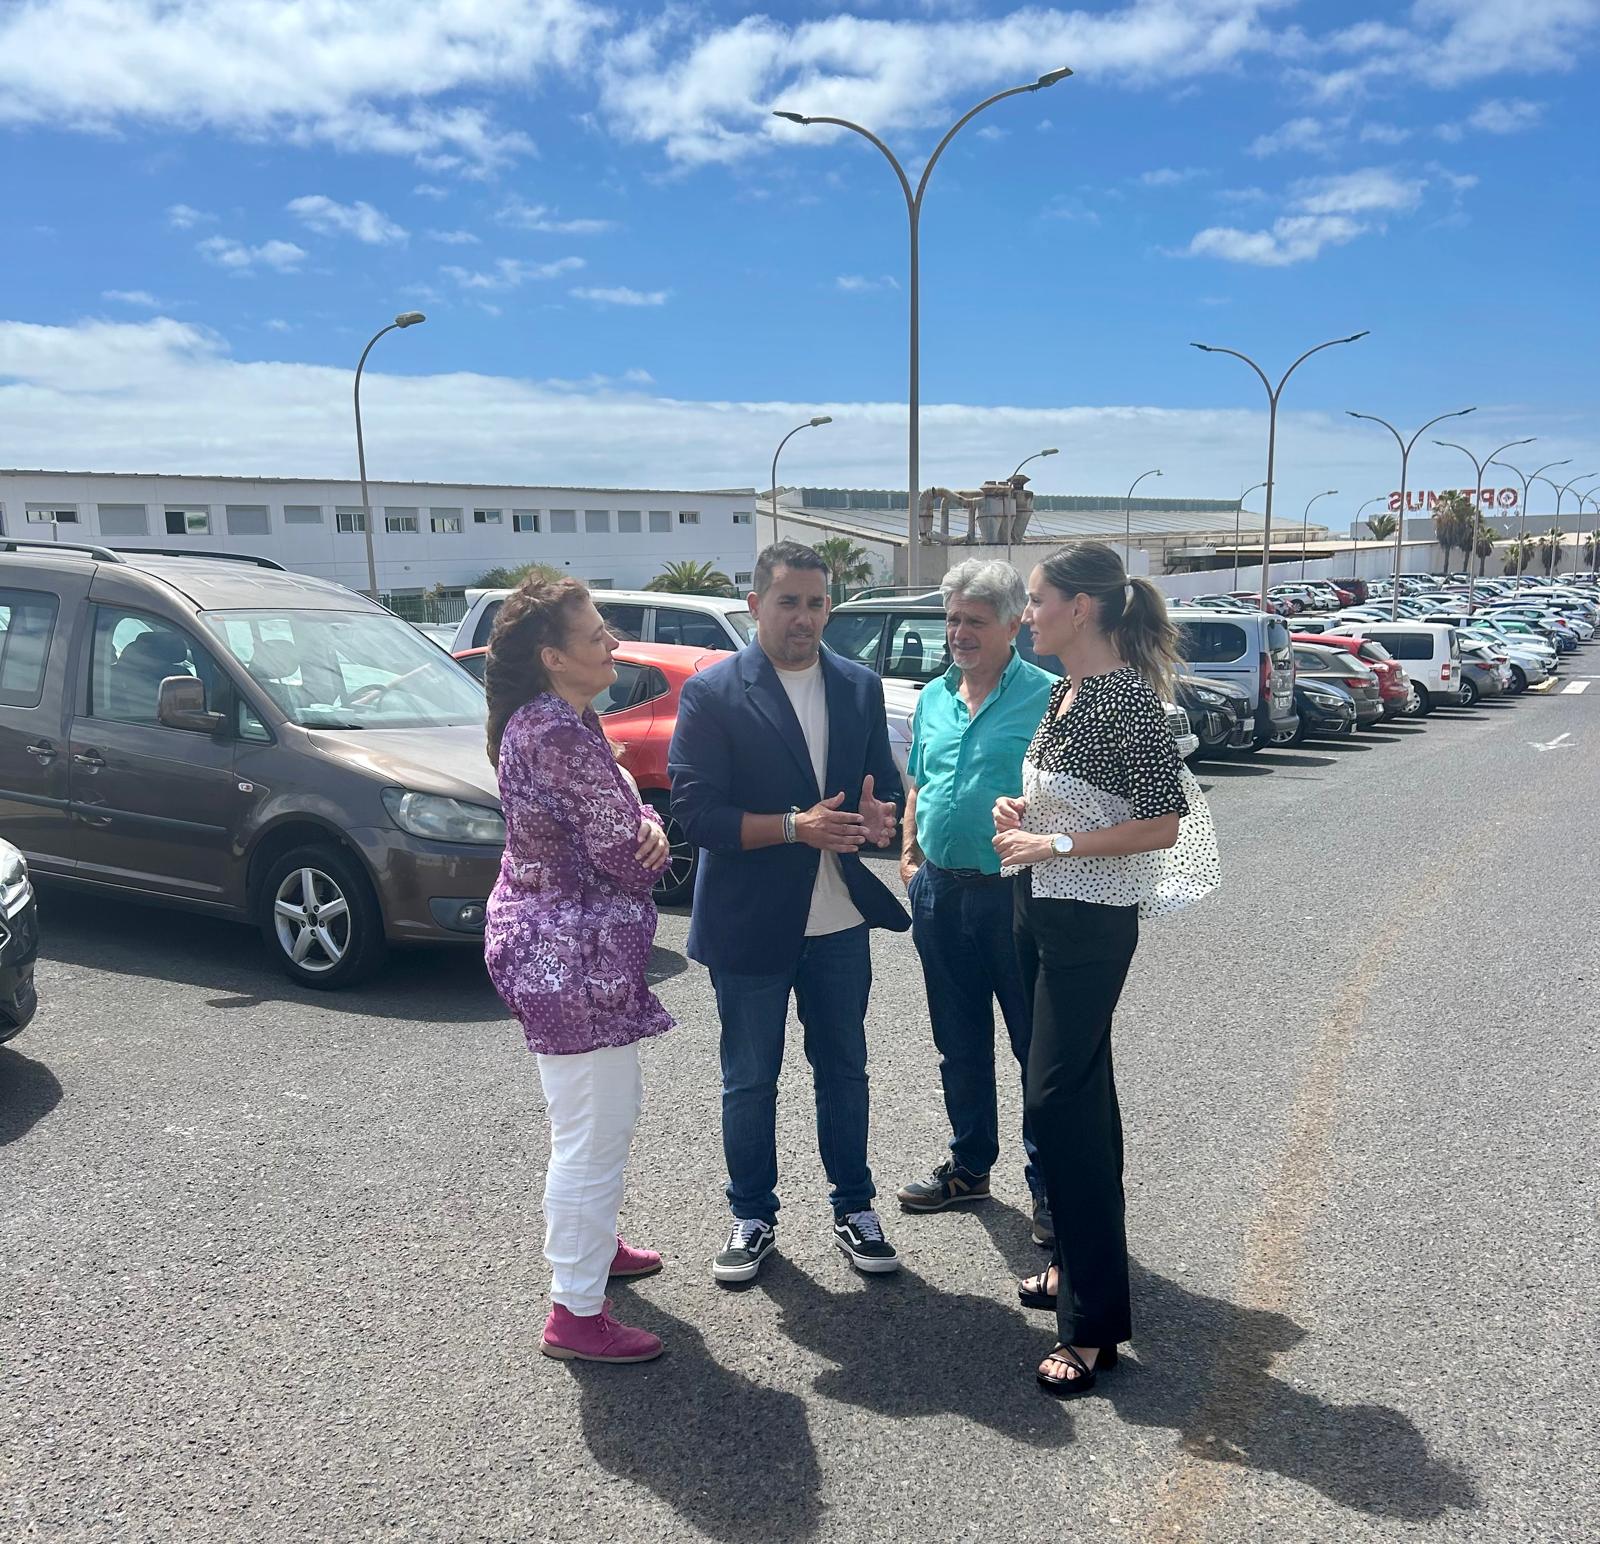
[[634, 273]]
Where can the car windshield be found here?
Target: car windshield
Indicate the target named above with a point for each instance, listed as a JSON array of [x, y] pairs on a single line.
[[743, 624], [349, 669]]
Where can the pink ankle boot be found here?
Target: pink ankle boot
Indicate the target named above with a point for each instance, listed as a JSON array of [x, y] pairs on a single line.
[[571, 1337], [630, 1260]]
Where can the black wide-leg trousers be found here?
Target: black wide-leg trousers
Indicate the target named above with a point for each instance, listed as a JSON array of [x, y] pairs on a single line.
[[1075, 957]]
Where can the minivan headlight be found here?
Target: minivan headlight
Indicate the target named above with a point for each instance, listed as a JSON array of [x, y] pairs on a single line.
[[16, 890], [445, 820]]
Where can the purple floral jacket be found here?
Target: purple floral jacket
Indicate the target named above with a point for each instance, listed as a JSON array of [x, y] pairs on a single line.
[[571, 919]]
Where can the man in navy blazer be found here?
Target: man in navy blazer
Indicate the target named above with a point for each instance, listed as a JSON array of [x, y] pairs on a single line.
[[781, 772]]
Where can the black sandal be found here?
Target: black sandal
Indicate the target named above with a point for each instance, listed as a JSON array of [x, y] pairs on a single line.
[[1066, 1388], [1034, 1291]]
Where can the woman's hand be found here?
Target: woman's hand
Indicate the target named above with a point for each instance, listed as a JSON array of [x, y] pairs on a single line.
[[654, 849], [1008, 813], [1022, 848]]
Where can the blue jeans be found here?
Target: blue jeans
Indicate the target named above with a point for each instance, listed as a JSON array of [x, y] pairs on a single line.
[[964, 933], [831, 982]]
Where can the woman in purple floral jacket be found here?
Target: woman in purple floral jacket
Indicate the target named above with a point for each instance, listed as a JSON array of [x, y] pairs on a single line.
[[569, 929]]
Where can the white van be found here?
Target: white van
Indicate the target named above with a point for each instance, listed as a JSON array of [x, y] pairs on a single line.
[[1430, 653], [639, 616]]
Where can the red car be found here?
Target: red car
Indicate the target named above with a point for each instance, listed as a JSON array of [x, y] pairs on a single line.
[[1394, 687], [640, 710]]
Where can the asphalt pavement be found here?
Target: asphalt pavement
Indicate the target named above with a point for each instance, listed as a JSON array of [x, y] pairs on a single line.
[[272, 1269]]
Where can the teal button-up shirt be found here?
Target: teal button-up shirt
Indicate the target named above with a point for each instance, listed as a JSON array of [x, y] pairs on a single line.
[[962, 762]]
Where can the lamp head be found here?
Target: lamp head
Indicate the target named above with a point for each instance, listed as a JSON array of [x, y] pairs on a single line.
[[409, 319], [1051, 452], [1355, 336], [1205, 348], [817, 423], [1050, 77], [791, 117]]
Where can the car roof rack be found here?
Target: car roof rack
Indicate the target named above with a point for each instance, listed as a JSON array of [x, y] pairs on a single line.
[[186, 552], [17, 543]]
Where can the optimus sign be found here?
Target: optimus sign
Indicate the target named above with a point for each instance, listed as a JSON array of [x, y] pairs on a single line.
[[1489, 498]]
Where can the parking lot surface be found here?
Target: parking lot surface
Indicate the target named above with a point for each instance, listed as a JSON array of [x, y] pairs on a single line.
[[272, 1266]]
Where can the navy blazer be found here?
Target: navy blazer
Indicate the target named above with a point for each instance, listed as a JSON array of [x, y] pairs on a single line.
[[738, 749]]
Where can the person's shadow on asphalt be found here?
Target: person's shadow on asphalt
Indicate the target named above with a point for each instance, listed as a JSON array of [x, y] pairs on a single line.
[[904, 1348], [730, 1456], [29, 1091], [1202, 1365]]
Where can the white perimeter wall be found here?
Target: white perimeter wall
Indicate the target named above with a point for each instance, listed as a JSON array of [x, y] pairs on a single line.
[[404, 561]]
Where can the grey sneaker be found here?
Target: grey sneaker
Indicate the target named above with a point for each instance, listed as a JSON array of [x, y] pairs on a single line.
[[860, 1236], [1044, 1226], [750, 1241], [948, 1185]]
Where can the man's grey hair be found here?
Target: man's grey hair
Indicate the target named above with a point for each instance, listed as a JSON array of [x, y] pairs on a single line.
[[990, 581]]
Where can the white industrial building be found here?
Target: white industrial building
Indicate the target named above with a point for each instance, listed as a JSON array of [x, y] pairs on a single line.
[[425, 535]]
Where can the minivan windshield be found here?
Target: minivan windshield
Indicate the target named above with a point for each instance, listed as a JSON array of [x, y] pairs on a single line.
[[349, 669]]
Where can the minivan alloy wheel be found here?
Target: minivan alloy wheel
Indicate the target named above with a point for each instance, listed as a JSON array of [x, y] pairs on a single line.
[[312, 918]]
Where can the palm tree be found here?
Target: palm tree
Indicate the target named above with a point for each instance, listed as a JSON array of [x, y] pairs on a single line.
[[1551, 547], [1383, 526], [1591, 548], [847, 562], [691, 578], [1483, 544], [1455, 519], [1518, 556]]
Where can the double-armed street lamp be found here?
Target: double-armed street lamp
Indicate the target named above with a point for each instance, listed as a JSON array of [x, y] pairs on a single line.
[[914, 215], [1560, 494], [1305, 526], [1527, 482], [1405, 461], [1273, 394], [810, 423], [1127, 515], [405, 319], [1477, 493]]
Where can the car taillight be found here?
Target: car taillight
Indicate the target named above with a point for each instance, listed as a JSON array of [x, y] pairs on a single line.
[[1266, 676], [1444, 671]]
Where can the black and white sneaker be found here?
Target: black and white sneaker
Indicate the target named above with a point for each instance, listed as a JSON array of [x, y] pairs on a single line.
[[860, 1235], [750, 1241]]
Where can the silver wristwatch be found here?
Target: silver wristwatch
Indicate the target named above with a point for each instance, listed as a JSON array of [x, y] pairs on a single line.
[[1061, 845]]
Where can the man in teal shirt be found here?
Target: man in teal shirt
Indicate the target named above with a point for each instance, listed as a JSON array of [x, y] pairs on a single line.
[[971, 729]]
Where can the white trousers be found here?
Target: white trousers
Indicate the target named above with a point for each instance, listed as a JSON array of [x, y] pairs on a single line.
[[593, 1099]]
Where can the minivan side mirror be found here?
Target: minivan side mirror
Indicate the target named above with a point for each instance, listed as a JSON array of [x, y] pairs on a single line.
[[182, 705]]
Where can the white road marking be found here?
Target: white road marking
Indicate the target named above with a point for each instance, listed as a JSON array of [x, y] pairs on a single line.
[[1574, 688], [1552, 745]]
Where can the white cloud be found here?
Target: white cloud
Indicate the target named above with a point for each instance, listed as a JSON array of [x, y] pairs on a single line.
[[1510, 115], [1170, 176], [535, 217], [511, 272], [454, 238], [1314, 136], [858, 284], [1372, 189], [181, 217], [133, 298], [241, 258], [622, 296], [1292, 239], [1383, 134], [359, 219], [361, 76]]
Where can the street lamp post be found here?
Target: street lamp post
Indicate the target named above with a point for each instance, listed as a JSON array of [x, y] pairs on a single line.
[[1405, 461], [1127, 515], [1022, 463], [1237, 512], [1522, 512], [1305, 527], [1561, 494], [1273, 393], [1477, 495], [1355, 541], [914, 215], [810, 423], [405, 319]]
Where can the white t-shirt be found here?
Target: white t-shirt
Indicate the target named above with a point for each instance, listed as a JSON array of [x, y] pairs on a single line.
[[832, 910]]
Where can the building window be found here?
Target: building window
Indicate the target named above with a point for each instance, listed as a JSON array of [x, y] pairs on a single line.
[[601, 584], [596, 520], [350, 519], [444, 522], [247, 519], [190, 520], [744, 576], [525, 520], [660, 519], [124, 520], [486, 517], [302, 514], [52, 514], [743, 517], [401, 521], [628, 522], [563, 522], [688, 517]]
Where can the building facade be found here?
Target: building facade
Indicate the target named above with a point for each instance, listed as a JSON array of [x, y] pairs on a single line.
[[425, 535]]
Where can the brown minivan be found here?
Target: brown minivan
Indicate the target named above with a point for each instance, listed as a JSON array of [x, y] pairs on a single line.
[[217, 733]]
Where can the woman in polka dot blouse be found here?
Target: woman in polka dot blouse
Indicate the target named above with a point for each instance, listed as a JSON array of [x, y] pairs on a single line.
[[567, 938], [1111, 826]]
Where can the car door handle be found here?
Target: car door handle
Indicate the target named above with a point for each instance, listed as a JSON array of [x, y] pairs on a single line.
[[91, 759], [43, 749]]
